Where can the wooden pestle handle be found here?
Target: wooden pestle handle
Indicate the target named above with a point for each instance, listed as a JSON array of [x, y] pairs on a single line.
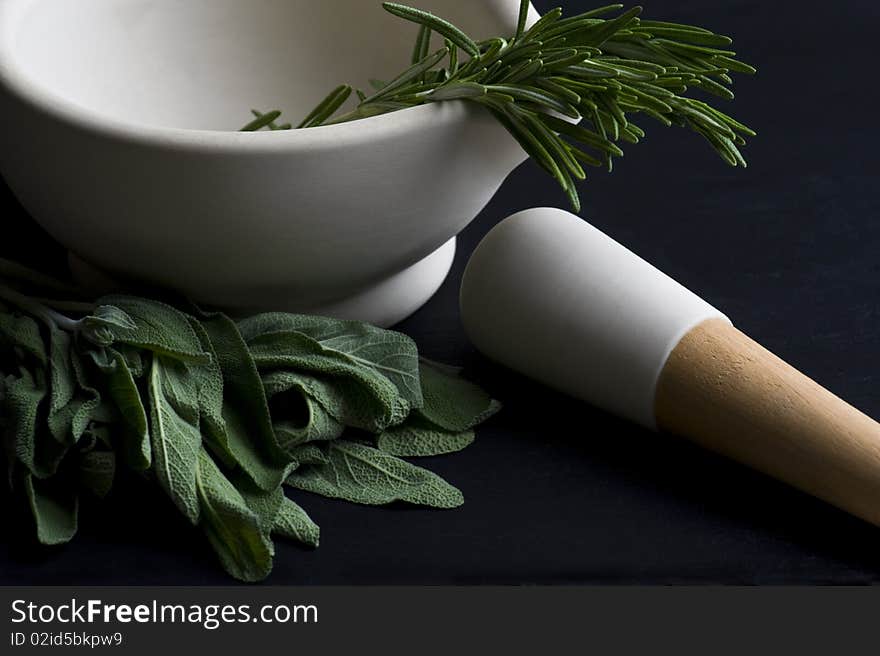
[[724, 391]]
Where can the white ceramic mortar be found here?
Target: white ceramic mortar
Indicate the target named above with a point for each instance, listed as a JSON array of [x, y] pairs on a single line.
[[119, 137]]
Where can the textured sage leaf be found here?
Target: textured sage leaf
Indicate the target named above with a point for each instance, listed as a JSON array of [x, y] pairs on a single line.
[[451, 402], [390, 353], [230, 525], [20, 401], [87, 399], [249, 432], [73, 399], [54, 509], [344, 399], [293, 523], [111, 316], [309, 454], [122, 389], [265, 505], [215, 434], [62, 383], [100, 326], [297, 417], [362, 474], [22, 332], [322, 427], [419, 438], [134, 359], [181, 384], [158, 327], [175, 446], [24, 429], [97, 469], [371, 390]]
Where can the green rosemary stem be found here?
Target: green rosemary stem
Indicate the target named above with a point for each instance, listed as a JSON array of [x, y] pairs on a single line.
[[600, 71]]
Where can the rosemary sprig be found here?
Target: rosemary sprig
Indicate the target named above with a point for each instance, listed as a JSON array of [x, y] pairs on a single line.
[[565, 88]]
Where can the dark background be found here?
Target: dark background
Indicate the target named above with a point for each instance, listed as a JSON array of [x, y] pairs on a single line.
[[558, 492]]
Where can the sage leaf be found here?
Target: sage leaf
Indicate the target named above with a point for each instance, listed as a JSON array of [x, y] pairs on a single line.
[[392, 354], [175, 446], [344, 399], [309, 454], [293, 523], [451, 402], [61, 381], [111, 317], [122, 389], [249, 432], [98, 327], [362, 474], [298, 417], [54, 510], [322, 427], [419, 438], [86, 404], [25, 435], [214, 429], [134, 359], [158, 327], [181, 385], [231, 527], [23, 332], [296, 351], [265, 505], [73, 399]]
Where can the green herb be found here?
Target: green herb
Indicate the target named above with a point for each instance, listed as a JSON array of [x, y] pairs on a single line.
[[445, 422], [595, 72], [362, 474], [219, 415], [418, 437]]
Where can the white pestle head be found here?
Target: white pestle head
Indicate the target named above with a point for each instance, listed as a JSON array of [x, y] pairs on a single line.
[[550, 296]]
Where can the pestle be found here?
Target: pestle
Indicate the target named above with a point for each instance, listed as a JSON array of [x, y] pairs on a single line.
[[552, 297]]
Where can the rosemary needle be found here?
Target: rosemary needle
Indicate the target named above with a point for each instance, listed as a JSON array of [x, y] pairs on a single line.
[[595, 70]]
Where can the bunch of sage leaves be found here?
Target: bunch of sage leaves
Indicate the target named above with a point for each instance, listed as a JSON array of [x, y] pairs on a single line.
[[219, 415]]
